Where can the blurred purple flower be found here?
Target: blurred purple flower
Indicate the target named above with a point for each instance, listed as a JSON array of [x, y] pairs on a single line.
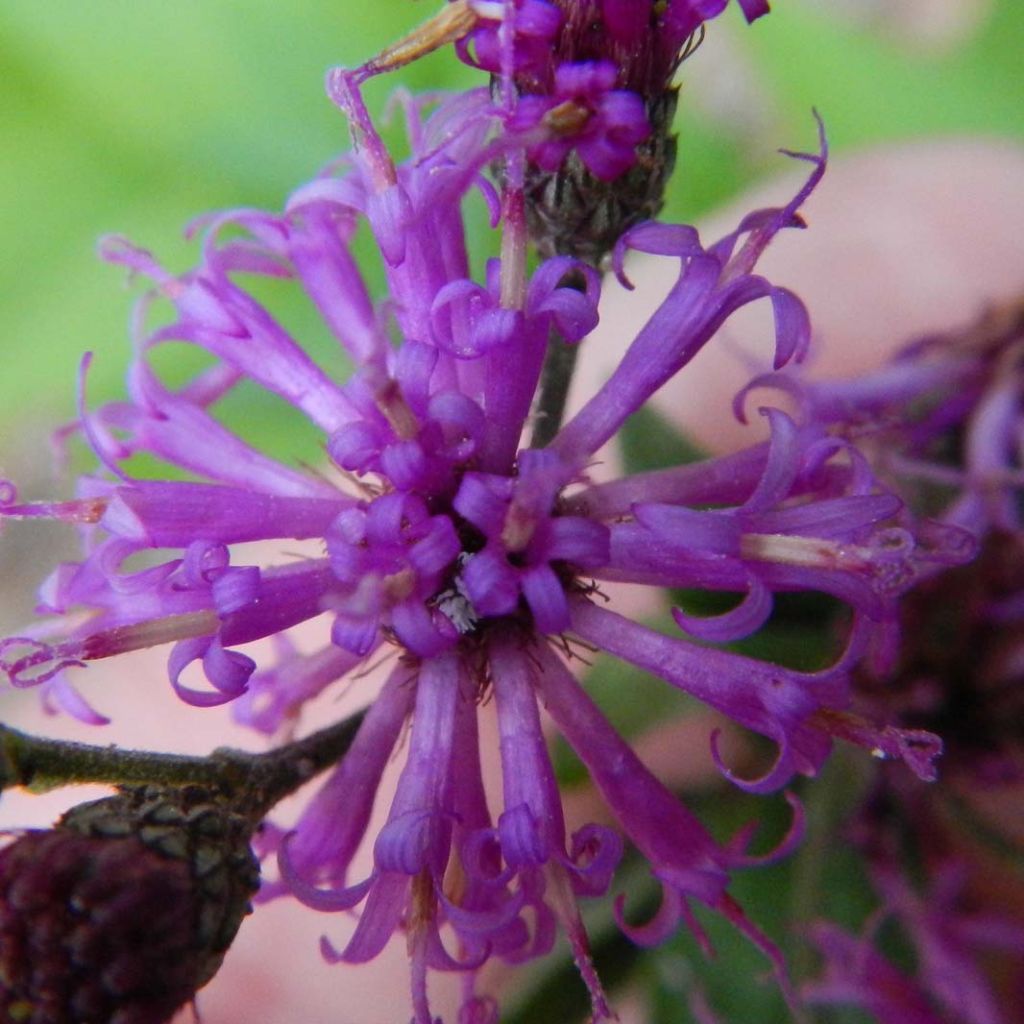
[[942, 421], [949, 937], [943, 424]]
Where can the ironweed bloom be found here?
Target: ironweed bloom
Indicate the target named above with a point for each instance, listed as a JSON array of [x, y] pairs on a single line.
[[476, 564]]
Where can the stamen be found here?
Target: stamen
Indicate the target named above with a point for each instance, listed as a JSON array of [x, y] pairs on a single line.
[[400, 585], [568, 118], [812, 552], [518, 528], [151, 633], [85, 510]]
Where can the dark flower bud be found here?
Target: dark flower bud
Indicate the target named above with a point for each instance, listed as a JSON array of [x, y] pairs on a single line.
[[124, 909]]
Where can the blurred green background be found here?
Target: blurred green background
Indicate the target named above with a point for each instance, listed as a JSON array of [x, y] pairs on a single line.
[[132, 116]]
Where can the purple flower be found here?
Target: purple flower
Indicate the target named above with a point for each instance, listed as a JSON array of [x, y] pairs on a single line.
[[585, 112], [594, 74], [473, 563]]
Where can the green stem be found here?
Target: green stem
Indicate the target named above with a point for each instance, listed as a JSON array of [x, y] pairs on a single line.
[[41, 764], [261, 780], [559, 364], [254, 781]]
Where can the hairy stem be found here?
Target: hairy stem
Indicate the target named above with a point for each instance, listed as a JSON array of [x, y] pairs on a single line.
[[41, 764], [254, 781]]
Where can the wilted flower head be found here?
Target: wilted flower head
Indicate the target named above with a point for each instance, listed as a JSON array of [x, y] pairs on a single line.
[[474, 562], [124, 909]]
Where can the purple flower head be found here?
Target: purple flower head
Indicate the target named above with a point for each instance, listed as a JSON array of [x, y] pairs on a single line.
[[587, 88], [474, 563]]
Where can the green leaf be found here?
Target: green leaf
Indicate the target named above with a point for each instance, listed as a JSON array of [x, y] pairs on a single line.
[[649, 441]]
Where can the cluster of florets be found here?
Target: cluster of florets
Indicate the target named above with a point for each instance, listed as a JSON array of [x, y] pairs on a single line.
[[643, 39], [448, 543], [594, 109]]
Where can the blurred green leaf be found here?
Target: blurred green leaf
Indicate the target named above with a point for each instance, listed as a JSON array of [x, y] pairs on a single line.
[[649, 441]]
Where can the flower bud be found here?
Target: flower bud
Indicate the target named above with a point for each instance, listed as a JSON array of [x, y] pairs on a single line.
[[125, 908], [606, 101], [581, 207]]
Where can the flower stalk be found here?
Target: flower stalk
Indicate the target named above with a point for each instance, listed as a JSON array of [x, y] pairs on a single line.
[[252, 782]]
